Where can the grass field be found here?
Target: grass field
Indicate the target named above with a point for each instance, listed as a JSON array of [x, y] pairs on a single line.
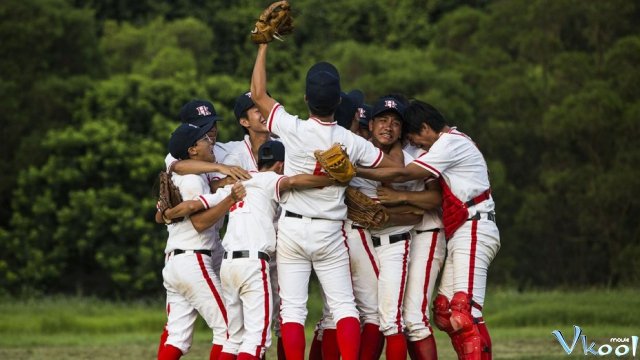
[[520, 325]]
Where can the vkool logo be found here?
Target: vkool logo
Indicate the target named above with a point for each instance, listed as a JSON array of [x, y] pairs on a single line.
[[619, 346]]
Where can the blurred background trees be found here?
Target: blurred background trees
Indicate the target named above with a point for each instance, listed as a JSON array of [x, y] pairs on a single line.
[[90, 91]]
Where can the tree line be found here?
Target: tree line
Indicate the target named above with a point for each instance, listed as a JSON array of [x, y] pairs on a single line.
[[90, 92]]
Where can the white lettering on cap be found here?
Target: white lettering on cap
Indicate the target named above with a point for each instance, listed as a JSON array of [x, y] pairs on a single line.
[[203, 110]]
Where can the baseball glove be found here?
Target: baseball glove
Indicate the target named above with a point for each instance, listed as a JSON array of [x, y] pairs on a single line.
[[274, 22], [335, 161], [363, 210], [169, 196]]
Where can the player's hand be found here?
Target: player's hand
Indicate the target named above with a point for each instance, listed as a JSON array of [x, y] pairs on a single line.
[[238, 192], [388, 196], [220, 183], [236, 172]]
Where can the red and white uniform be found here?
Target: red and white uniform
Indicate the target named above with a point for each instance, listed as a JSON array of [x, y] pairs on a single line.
[[456, 161], [190, 280], [428, 252], [392, 246], [311, 232], [249, 242], [240, 154]]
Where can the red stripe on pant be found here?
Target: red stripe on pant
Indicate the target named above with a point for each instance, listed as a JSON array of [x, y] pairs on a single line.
[[213, 289], [472, 255], [403, 281], [265, 286], [363, 238], [427, 278]]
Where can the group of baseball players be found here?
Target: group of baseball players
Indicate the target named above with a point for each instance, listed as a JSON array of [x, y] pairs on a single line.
[[287, 217]]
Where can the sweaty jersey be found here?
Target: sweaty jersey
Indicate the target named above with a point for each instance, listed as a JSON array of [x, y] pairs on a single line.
[[456, 159], [183, 235], [250, 225], [301, 139]]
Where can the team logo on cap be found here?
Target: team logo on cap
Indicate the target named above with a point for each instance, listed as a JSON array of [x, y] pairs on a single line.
[[390, 104], [248, 94], [362, 113], [203, 110]]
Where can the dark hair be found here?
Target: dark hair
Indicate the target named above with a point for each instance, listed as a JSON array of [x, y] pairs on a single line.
[[418, 113], [266, 164], [243, 114]]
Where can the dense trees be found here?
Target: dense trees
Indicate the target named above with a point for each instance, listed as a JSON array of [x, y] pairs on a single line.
[[91, 90]]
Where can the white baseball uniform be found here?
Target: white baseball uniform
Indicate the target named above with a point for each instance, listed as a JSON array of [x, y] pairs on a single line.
[[428, 251], [311, 229], [249, 242], [192, 285], [240, 154], [392, 245], [456, 161]]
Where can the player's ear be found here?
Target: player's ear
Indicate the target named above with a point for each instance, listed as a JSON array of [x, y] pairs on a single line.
[[244, 122]]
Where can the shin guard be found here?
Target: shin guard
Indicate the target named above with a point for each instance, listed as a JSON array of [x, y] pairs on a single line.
[[466, 334]]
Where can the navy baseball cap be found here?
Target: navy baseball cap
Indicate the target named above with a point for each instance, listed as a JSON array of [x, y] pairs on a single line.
[[388, 103], [270, 151], [346, 110], [243, 103], [198, 112], [364, 115], [185, 136], [323, 86]]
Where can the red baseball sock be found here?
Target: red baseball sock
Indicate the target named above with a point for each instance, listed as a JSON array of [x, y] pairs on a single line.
[[486, 341], [396, 347], [169, 352], [247, 356], [424, 349], [371, 342], [163, 339], [216, 350], [280, 349], [293, 340], [315, 353], [330, 349], [348, 337], [226, 356]]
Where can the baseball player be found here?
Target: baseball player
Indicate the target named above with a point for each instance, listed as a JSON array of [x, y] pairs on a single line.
[[392, 243], [189, 278], [249, 242], [428, 250], [244, 154], [311, 229], [468, 208]]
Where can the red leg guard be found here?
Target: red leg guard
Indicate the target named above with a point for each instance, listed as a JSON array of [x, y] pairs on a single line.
[[280, 350], [169, 352], [315, 353], [348, 337], [293, 340], [396, 347], [371, 342], [330, 350], [442, 313], [486, 341], [216, 350], [226, 356], [424, 349], [247, 356], [466, 334]]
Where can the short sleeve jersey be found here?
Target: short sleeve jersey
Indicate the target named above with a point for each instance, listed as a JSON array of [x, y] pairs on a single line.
[[301, 138], [432, 219], [250, 225], [183, 235], [456, 159]]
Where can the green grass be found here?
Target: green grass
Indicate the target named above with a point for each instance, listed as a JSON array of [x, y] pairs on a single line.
[[520, 325]]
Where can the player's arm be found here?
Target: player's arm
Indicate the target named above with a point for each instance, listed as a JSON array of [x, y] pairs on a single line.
[[190, 166], [259, 95], [183, 209], [305, 181], [205, 219], [393, 174], [427, 199], [404, 218]]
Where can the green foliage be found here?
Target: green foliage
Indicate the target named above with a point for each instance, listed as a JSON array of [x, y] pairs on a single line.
[[90, 91]]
